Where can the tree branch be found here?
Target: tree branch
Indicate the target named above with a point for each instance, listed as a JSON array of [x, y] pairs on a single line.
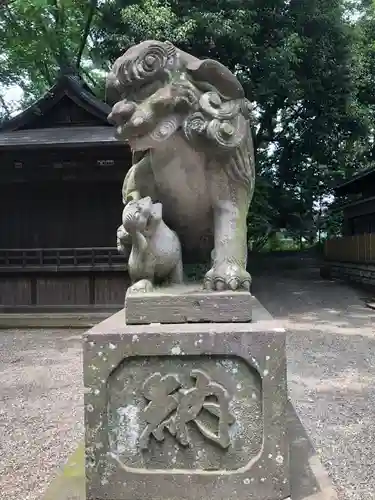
[[90, 16], [56, 11], [266, 126], [5, 106], [46, 73], [61, 55], [88, 75]]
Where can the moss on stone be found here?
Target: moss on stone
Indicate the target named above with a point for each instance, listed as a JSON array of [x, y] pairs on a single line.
[[69, 484]]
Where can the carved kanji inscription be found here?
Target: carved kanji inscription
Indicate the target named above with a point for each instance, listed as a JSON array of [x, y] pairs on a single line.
[[170, 413], [172, 407]]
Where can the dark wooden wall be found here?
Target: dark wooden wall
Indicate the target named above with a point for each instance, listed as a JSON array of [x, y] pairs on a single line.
[[60, 207], [65, 113], [59, 215], [48, 290], [359, 217], [58, 226]]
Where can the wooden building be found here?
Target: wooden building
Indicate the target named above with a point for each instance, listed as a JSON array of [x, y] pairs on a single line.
[[359, 210], [352, 256], [61, 172]]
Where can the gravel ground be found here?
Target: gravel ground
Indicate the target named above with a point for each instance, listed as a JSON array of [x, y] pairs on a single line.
[[331, 370], [331, 351], [41, 408]]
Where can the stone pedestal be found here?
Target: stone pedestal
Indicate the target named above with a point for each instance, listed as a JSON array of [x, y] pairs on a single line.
[[308, 478], [187, 304], [187, 411]]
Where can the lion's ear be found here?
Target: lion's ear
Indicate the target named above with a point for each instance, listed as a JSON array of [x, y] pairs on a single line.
[[157, 211], [219, 76], [112, 89]]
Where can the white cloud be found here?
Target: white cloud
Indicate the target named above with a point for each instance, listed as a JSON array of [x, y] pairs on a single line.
[[12, 96]]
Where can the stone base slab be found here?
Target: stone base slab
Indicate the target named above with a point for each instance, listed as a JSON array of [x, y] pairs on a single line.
[[309, 479], [187, 304]]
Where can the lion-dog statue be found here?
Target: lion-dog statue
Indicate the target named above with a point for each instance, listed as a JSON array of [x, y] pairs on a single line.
[[187, 123]]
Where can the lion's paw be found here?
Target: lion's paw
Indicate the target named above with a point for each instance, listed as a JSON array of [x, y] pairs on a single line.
[[227, 276], [142, 286]]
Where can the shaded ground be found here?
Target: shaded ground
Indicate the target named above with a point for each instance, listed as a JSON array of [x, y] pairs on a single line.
[[331, 370], [331, 351]]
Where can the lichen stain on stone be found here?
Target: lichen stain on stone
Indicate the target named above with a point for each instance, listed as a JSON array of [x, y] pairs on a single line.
[[127, 428], [176, 350], [229, 365], [236, 429]]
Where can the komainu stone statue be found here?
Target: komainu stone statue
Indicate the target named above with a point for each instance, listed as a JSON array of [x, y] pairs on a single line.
[[155, 256], [187, 123]]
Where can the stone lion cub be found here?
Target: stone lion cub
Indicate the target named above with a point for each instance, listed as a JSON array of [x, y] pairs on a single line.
[[155, 255]]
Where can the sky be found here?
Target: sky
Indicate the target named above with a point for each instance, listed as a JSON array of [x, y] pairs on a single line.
[[13, 96]]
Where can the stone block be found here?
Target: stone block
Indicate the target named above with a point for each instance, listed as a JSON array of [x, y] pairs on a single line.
[[187, 304], [188, 411], [308, 478]]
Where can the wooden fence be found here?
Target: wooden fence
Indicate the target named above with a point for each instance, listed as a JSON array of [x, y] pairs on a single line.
[[62, 277], [60, 259], [359, 248]]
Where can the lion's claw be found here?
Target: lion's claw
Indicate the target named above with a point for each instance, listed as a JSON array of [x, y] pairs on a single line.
[[226, 276]]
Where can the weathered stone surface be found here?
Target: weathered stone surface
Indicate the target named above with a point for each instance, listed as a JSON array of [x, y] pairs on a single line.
[[354, 272], [308, 479], [187, 304], [194, 411], [187, 123]]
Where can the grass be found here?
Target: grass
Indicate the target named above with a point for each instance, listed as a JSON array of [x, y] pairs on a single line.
[[69, 484]]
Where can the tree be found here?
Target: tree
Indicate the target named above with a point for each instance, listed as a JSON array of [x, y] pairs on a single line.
[[41, 38], [364, 46], [295, 61]]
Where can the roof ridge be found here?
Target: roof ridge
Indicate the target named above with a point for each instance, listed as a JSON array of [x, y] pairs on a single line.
[[65, 82]]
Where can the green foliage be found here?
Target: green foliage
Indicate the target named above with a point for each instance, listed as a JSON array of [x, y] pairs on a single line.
[[41, 38], [295, 61]]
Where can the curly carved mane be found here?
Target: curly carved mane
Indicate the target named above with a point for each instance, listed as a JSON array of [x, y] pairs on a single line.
[[201, 99]]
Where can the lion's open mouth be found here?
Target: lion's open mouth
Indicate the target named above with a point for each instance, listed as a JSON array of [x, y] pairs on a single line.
[[141, 136]]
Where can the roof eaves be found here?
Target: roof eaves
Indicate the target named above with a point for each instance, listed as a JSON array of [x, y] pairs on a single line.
[[70, 85], [36, 108], [355, 178]]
